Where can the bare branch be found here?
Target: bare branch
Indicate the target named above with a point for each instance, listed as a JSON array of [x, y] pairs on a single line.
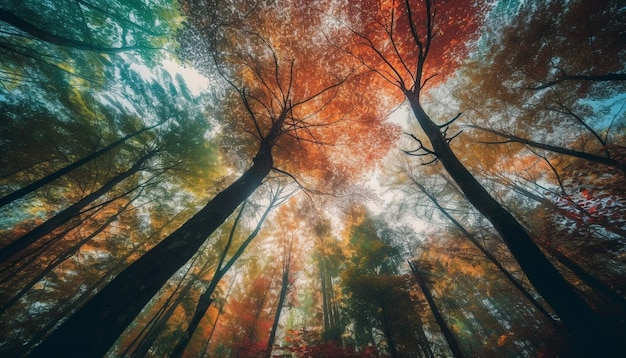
[[46, 36], [573, 153], [609, 77], [451, 121], [454, 136]]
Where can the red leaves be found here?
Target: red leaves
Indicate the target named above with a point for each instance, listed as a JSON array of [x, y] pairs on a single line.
[[393, 38], [588, 207], [298, 345]]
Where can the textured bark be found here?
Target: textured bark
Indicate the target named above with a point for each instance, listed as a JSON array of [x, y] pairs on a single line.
[[92, 330], [453, 343], [591, 333]]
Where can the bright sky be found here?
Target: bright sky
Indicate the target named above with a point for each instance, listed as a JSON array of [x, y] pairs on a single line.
[[195, 81]]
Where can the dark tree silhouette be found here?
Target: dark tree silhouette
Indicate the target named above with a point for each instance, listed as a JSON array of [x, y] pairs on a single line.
[[394, 64]]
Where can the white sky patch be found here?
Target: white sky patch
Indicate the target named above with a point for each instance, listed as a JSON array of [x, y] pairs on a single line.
[[196, 82], [401, 116]]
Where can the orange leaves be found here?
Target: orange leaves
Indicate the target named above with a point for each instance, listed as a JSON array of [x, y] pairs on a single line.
[[288, 72], [414, 42]]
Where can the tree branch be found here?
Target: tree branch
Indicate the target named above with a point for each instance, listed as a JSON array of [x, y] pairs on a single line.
[[565, 78], [45, 36]]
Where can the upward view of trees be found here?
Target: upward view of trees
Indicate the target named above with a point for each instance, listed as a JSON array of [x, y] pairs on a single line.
[[243, 178]]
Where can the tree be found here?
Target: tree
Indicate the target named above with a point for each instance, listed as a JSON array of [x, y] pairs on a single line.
[[222, 268], [80, 200], [285, 283], [453, 343], [378, 297], [284, 113], [92, 28], [9, 198], [412, 42], [13, 249], [509, 138], [329, 257], [514, 281]]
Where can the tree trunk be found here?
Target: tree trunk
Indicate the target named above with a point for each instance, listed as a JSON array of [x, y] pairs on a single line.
[[159, 320], [515, 282], [53, 321], [7, 199], [585, 326], [281, 302], [329, 307], [606, 293], [284, 287], [46, 36], [453, 343], [61, 258], [11, 250], [391, 342], [205, 300], [92, 330]]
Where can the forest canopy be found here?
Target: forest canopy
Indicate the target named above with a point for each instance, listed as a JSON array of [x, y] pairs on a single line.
[[333, 178]]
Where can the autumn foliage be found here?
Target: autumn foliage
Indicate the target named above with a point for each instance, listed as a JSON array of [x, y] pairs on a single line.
[[393, 38], [511, 241]]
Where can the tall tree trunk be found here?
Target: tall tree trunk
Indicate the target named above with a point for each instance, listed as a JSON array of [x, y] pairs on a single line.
[[9, 198], [205, 300], [92, 330], [329, 307], [514, 281], [41, 333], [281, 302], [391, 342], [10, 251], [593, 336], [61, 258], [159, 320], [453, 343]]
